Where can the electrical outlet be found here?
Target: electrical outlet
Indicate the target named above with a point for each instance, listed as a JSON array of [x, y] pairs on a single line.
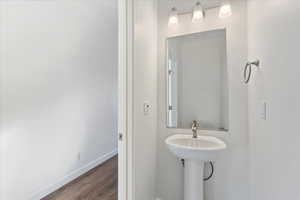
[[147, 108]]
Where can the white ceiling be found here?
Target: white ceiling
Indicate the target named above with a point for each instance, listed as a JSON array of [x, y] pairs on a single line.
[[187, 5]]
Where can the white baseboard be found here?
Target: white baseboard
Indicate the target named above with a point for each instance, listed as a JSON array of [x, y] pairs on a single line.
[[71, 176]]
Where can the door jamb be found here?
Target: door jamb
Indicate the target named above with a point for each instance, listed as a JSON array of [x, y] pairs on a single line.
[[125, 100]]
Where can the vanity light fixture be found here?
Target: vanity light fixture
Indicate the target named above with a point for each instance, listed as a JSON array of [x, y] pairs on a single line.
[[198, 13], [173, 16], [225, 10]]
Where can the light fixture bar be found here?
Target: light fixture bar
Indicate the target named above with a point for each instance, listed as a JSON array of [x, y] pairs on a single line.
[[199, 12]]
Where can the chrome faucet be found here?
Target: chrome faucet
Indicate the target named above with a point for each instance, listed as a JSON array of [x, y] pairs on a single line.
[[195, 126]]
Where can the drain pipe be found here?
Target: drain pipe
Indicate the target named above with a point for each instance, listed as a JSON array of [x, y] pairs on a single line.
[[211, 173]]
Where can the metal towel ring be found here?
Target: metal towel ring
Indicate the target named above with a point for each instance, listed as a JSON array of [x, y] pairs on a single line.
[[248, 68]]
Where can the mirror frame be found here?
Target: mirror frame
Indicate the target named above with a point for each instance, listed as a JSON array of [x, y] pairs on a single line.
[[224, 28]]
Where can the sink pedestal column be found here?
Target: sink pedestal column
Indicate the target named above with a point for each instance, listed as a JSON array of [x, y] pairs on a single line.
[[193, 180]]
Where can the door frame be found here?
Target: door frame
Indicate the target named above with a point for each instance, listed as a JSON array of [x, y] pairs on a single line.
[[125, 101]]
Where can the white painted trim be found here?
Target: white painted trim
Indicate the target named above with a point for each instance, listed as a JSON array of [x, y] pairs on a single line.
[[71, 176], [122, 109], [130, 101], [122, 104], [125, 116]]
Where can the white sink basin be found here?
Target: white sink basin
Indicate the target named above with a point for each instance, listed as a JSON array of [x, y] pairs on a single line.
[[203, 148], [195, 152]]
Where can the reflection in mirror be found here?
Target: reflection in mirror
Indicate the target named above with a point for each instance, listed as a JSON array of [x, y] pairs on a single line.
[[197, 80]]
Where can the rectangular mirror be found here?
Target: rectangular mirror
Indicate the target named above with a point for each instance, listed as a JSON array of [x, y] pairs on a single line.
[[197, 80]]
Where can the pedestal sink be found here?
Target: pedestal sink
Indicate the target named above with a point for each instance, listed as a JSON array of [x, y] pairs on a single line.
[[195, 152]]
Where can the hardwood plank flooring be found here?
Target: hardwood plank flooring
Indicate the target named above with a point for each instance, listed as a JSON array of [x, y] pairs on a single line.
[[98, 184]]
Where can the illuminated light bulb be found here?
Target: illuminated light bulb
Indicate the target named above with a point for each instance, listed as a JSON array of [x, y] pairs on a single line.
[[173, 17], [198, 13], [225, 10]]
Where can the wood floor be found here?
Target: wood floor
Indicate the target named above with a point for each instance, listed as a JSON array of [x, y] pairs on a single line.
[[98, 184]]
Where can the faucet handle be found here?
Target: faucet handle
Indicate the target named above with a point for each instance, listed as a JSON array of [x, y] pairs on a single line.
[[195, 126], [196, 123]]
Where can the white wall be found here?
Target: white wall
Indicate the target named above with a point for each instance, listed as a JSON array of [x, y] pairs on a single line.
[[231, 178], [58, 90], [273, 28], [144, 90]]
